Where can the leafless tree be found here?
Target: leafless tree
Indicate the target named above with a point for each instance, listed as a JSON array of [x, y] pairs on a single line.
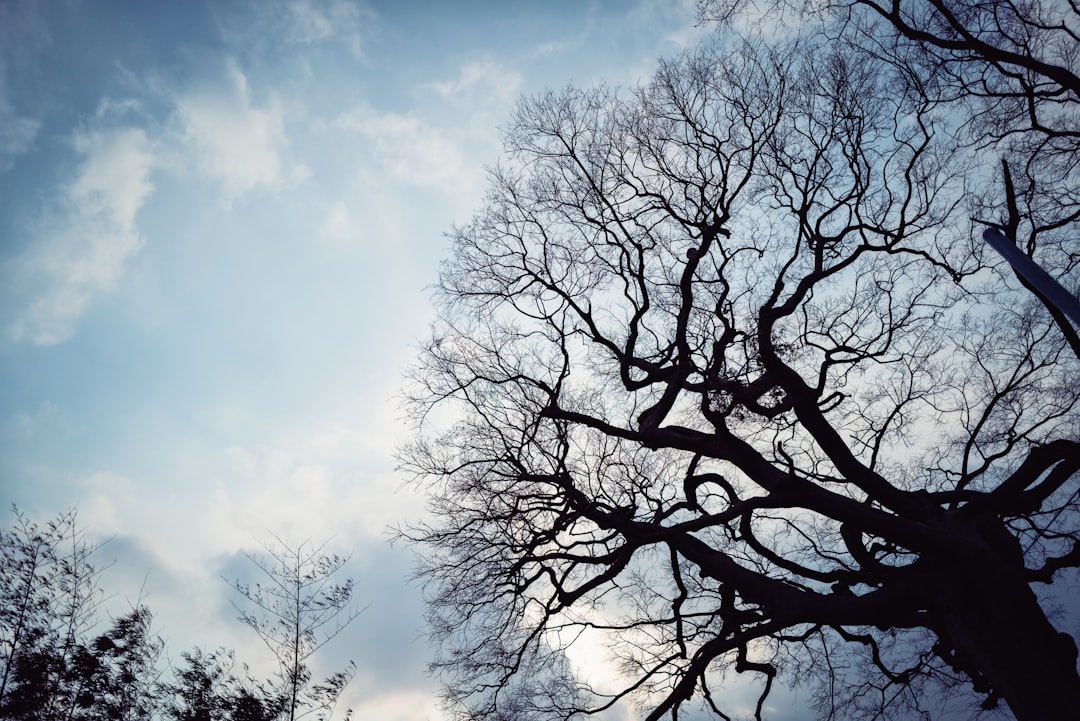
[[296, 608], [734, 387], [1009, 70]]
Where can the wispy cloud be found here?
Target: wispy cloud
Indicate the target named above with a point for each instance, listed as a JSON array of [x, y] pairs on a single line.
[[17, 132], [261, 28], [407, 148], [23, 39], [83, 252], [336, 480], [317, 20], [486, 81], [237, 142], [680, 18]]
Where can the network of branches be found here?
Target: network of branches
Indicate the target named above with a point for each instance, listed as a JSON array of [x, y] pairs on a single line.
[[738, 387], [57, 664], [296, 607]]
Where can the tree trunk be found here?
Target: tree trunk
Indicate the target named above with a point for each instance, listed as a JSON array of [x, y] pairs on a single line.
[[997, 630]]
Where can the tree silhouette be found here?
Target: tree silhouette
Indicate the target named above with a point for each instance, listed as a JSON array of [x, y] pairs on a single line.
[[54, 666], [739, 389], [204, 688], [48, 601], [1009, 69], [197, 692], [296, 609], [120, 670]]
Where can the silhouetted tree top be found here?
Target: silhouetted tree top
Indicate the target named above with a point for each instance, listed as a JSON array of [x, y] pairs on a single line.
[[49, 599], [55, 665], [738, 389], [1010, 73], [296, 607]]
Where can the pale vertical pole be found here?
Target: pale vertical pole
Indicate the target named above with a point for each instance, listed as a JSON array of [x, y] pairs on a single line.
[[1034, 274]]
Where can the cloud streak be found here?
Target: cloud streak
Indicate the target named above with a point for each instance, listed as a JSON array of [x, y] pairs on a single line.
[[23, 38], [83, 254], [484, 81], [17, 133], [311, 21]]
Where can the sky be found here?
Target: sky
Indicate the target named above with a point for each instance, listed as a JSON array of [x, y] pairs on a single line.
[[219, 227], [220, 224]]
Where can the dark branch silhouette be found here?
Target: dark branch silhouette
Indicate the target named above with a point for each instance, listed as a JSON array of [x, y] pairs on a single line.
[[738, 388]]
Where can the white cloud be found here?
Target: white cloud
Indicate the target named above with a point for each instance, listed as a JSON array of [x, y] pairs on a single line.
[[237, 142], [484, 80], [484, 92], [103, 506], [321, 489], [686, 32], [550, 48], [84, 254], [264, 28], [17, 133], [407, 148], [395, 706], [309, 478], [118, 109], [115, 178], [312, 21]]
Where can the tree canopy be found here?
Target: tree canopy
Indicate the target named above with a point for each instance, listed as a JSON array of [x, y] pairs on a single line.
[[738, 388], [53, 667]]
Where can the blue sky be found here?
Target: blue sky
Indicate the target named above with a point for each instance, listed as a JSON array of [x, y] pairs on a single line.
[[219, 223], [218, 226]]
